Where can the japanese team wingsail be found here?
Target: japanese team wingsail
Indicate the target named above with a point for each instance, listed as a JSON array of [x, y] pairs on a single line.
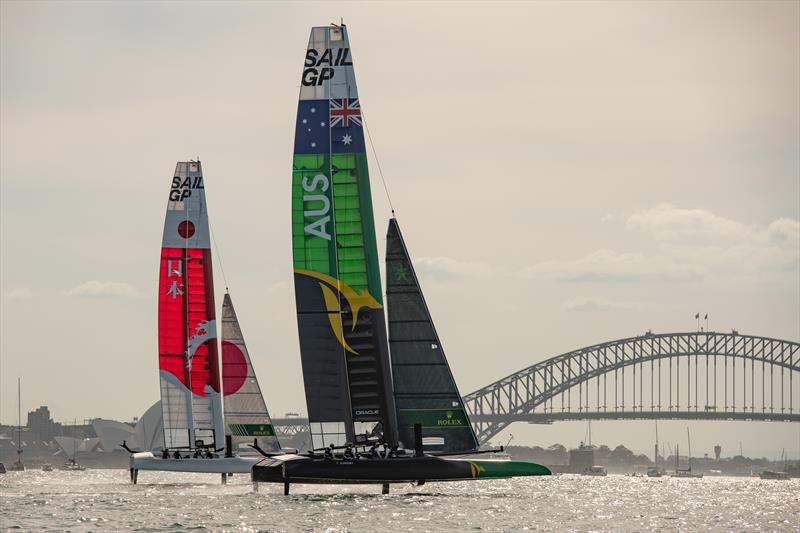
[[187, 328], [194, 422]]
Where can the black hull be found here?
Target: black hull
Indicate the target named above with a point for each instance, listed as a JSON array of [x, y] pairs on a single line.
[[300, 469]]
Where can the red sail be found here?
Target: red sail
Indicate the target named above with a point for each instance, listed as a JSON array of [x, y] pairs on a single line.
[[187, 336]]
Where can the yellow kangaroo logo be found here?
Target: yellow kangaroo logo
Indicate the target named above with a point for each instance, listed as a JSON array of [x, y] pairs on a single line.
[[476, 469], [356, 300]]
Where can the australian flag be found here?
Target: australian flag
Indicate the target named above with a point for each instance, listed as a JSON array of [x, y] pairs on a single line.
[[334, 124]]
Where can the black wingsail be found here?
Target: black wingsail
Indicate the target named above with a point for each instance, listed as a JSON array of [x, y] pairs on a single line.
[[424, 389]]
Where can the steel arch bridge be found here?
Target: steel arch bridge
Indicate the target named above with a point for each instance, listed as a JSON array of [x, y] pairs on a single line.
[[697, 375]]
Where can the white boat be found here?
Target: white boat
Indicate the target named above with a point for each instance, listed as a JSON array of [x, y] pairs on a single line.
[[71, 465], [595, 470], [197, 420], [685, 472]]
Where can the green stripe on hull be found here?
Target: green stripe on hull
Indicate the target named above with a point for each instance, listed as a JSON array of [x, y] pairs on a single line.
[[482, 469]]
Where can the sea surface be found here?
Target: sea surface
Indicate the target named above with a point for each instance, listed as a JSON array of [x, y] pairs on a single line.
[[105, 500]]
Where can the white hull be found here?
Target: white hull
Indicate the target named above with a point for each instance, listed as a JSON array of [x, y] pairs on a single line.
[[220, 465]]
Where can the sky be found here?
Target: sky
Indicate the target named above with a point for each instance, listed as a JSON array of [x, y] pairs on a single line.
[[564, 173]]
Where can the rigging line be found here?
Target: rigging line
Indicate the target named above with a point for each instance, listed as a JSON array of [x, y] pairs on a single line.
[[377, 161], [219, 255]]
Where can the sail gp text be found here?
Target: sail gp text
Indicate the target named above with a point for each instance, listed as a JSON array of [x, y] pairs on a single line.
[[182, 188], [319, 67]]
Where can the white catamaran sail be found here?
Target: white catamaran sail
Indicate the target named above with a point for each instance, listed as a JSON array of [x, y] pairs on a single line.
[[246, 415]]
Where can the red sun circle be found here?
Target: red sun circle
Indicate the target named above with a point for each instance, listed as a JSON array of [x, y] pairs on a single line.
[[234, 368], [186, 229]]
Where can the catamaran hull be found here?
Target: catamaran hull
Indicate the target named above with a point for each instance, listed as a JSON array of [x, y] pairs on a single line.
[[299, 469], [221, 465]]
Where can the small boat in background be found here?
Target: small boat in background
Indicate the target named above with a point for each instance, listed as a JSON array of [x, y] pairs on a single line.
[[776, 475], [47, 467], [18, 465], [685, 472], [72, 466], [653, 471], [595, 470], [2, 468], [771, 474]]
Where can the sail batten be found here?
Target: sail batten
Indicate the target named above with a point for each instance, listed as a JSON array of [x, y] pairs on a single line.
[[338, 293], [424, 388]]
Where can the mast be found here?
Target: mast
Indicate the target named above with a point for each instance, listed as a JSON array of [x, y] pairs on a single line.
[[424, 388], [340, 316], [19, 420], [655, 457], [689, 439]]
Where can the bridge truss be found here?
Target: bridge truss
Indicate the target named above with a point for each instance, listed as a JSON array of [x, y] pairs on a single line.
[[697, 375]]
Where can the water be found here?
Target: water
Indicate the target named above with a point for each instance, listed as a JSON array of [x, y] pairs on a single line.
[[104, 500]]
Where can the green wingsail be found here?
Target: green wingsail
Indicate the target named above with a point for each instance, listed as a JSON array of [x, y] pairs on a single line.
[[340, 315]]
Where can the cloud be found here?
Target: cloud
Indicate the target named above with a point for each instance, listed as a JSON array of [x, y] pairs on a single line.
[[583, 304], [448, 269], [103, 289], [19, 295], [785, 230], [690, 245], [608, 266], [723, 245], [608, 217], [279, 286], [666, 222]]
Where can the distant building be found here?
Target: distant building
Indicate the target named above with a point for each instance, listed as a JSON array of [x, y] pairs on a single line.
[[41, 424]]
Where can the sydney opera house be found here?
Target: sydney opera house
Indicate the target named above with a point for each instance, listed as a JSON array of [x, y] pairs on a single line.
[[146, 435], [96, 444]]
